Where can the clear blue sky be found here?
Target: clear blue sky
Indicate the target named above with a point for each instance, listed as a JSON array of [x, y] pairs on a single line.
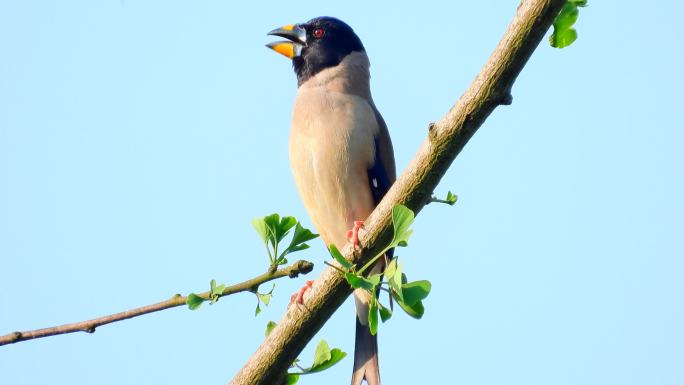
[[138, 140]]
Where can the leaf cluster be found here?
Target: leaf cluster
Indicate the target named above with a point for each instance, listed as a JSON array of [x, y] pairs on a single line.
[[563, 34], [264, 298], [409, 295], [324, 358], [450, 199], [273, 229], [194, 301]]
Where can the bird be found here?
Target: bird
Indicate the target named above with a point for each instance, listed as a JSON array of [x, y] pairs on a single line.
[[340, 149]]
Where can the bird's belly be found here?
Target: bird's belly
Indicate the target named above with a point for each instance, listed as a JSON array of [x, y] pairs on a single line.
[[331, 149]]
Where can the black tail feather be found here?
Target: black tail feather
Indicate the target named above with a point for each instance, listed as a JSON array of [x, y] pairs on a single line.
[[365, 356]]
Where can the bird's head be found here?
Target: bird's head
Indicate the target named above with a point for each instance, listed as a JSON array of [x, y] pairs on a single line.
[[318, 44]]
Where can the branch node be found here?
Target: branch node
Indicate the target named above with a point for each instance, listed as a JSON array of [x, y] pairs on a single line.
[[301, 267], [506, 99], [432, 131], [90, 330], [16, 336]]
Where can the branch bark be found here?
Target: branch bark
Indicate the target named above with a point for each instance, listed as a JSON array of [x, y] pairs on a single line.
[[299, 267], [446, 138]]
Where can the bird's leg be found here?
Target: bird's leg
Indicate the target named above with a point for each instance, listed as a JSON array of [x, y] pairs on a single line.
[[353, 234], [298, 297]]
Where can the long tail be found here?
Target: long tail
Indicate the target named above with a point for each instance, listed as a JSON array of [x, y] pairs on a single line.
[[365, 356]]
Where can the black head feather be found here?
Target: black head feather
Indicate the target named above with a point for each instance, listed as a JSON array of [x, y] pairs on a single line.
[[328, 42]]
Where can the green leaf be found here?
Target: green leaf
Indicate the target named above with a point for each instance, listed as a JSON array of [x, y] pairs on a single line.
[[261, 228], [335, 253], [402, 218], [385, 313], [375, 279], [391, 268], [322, 354], [273, 229], [567, 16], [265, 298], [416, 310], [563, 34], [194, 301], [279, 227], [358, 282], [416, 291], [286, 223], [272, 222], [324, 357], [215, 291], [291, 379], [264, 231], [451, 198], [300, 236], [562, 38], [336, 355], [270, 325], [373, 316], [395, 280], [294, 249]]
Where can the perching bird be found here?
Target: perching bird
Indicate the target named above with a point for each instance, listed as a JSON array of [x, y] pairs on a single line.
[[340, 150]]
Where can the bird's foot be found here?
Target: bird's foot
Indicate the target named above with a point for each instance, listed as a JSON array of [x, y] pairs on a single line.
[[298, 297], [353, 234]]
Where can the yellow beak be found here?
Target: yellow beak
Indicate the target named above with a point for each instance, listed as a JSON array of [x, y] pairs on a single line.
[[297, 40]]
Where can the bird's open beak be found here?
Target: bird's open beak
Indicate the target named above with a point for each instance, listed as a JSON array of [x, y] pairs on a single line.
[[292, 48]]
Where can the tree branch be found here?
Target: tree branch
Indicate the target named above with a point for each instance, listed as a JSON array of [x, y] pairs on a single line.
[[446, 138], [299, 267]]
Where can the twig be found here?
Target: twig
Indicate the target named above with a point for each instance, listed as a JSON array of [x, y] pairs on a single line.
[[437, 200], [299, 267], [446, 139]]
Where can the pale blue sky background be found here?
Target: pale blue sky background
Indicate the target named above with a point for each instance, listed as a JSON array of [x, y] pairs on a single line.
[[139, 138]]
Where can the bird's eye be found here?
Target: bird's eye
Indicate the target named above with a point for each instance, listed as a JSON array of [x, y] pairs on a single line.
[[319, 33]]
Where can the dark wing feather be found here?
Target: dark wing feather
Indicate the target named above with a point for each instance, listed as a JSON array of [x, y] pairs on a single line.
[[382, 174]]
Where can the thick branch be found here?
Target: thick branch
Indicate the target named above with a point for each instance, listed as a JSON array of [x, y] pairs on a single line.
[[446, 138], [89, 326]]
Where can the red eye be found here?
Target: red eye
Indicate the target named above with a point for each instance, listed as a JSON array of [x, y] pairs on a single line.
[[319, 33]]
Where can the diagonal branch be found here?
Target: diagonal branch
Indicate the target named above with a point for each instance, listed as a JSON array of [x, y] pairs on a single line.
[[299, 267], [414, 188]]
